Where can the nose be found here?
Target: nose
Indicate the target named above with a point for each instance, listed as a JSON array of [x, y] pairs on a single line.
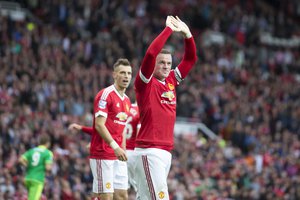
[[127, 76]]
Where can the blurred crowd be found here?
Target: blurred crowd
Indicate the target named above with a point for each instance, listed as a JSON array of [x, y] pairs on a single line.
[[246, 91]]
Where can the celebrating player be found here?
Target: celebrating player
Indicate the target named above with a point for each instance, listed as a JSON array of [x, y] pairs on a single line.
[[156, 96]]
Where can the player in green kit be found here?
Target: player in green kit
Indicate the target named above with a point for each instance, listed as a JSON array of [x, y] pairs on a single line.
[[37, 161]]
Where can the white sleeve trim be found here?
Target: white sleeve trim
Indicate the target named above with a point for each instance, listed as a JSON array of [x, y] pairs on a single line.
[[97, 114], [178, 75], [144, 79]]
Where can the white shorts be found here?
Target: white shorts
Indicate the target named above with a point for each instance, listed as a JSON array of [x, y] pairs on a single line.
[[151, 172], [130, 166], [109, 175]]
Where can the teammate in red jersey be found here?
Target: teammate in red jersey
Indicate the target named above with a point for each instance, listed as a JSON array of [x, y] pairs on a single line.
[[131, 130], [107, 151], [156, 96]]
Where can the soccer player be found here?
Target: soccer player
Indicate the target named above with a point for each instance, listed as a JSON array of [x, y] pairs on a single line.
[[107, 151], [37, 161], [131, 130], [156, 97]]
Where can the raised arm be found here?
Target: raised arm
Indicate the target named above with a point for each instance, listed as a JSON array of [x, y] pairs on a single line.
[[155, 47], [190, 56]]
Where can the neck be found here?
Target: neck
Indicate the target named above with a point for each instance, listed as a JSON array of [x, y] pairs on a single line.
[[159, 78], [121, 91]]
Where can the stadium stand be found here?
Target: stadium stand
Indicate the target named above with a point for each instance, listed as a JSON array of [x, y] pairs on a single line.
[[245, 88]]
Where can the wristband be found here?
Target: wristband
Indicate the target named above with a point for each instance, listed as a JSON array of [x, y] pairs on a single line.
[[188, 35], [114, 145]]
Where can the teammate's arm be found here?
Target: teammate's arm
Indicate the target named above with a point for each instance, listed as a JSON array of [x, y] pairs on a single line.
[[104, 133], [85, 129], [190, 56]]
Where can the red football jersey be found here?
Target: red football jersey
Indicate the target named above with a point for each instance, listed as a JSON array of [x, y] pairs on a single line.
[[110, 104], [132, 126], [157, 99], [157, 104]]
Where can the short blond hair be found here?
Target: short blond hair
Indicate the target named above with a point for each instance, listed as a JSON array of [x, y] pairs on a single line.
[[121, 61]]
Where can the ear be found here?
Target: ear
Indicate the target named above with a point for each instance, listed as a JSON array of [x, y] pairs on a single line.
[[114, 75]]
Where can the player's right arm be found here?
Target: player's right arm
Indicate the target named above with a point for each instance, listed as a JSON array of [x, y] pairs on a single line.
[[23, 160], [153, 50], [104, 133]]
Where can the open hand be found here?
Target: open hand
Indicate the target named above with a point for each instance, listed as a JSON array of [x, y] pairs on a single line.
[[173, 23], [121, 154], [183, 28], [75, 126]]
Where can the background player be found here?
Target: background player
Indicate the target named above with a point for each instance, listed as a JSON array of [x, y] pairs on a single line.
[[131, 130], [156, 96], [37, 161]]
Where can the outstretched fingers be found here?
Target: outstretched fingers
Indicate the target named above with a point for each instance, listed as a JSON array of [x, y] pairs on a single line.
[[173, 23]]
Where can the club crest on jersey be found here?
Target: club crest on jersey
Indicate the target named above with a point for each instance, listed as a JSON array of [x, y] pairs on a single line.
[[169, 95], [102, 103], [127, 107], [171, 86], [161, 195], [122, 116], [108, 185], [133, 111]]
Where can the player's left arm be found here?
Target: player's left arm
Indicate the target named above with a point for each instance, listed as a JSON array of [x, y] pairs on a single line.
[[49, 161], [190, 56]]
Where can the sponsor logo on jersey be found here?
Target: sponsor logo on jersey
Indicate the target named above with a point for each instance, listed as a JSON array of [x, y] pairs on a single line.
[[171, 86], [102, 104], [161, 195], [168, 102], [169, 95], [108, 185], [122, 116]]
